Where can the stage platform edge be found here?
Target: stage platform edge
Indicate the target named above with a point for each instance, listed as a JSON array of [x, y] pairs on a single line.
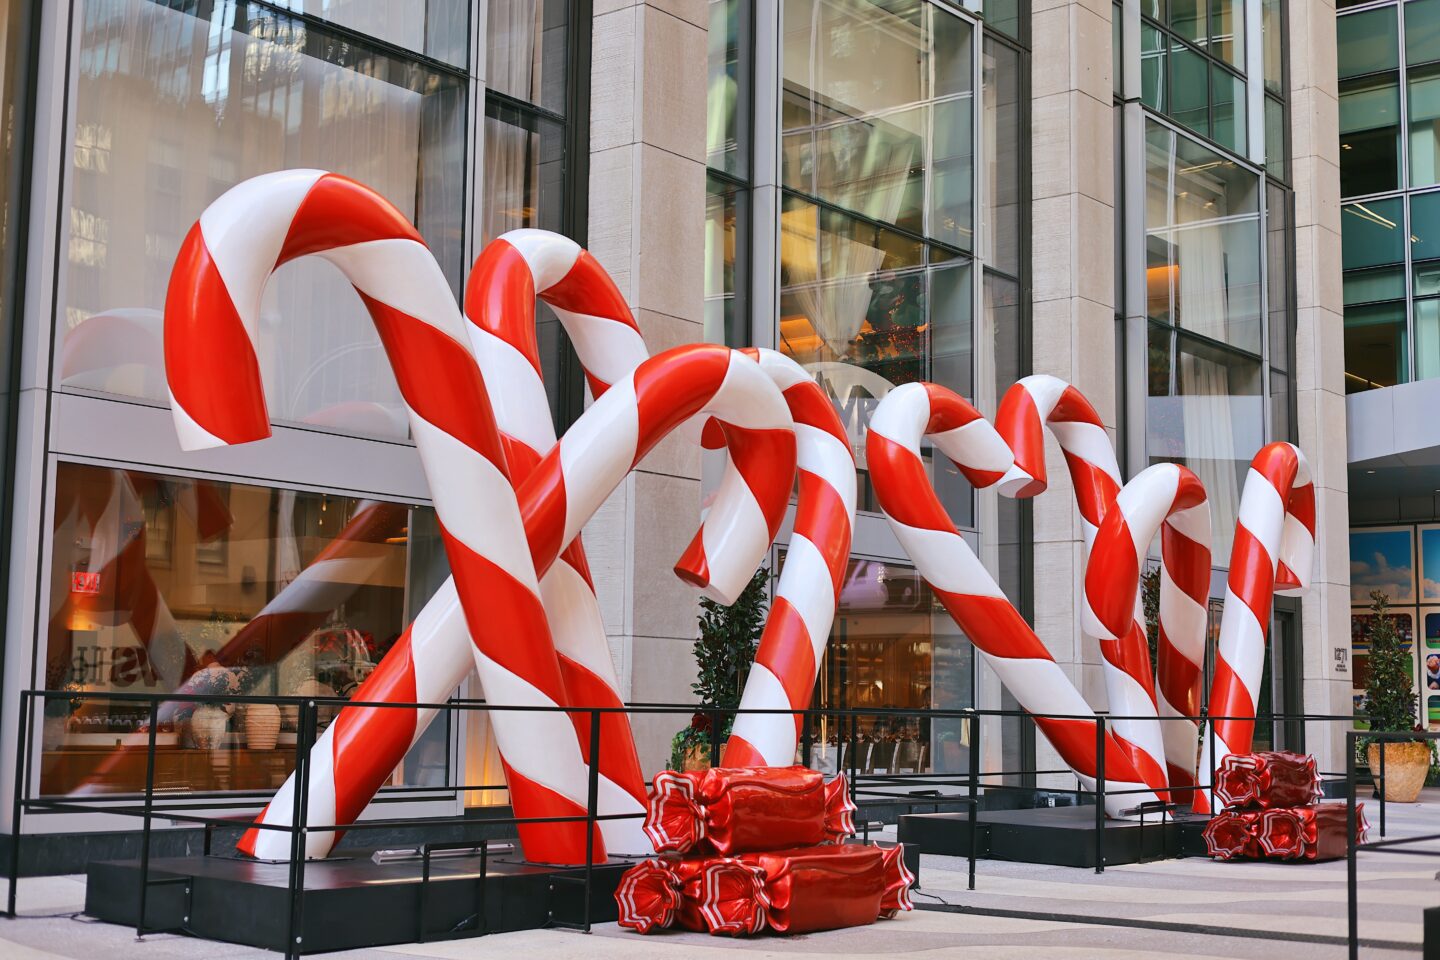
[[1057, 836], [349, 902]]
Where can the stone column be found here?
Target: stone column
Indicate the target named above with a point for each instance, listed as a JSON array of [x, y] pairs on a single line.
[[1073, 230], [647, 200], [1320, 365]]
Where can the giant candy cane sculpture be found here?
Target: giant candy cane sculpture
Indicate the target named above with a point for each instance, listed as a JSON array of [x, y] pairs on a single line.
[[1274, 545], [1095, 475], [794, 639], [1172, 496], [906, 416], [211, 318], [500, 303], [564, 489]]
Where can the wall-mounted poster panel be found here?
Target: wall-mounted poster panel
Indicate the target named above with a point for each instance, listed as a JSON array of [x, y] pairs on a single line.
[[1430, 666], [1429, 551], [1382, 558]]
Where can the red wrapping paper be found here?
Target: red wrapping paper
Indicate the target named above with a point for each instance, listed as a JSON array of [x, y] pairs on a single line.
[[790, 891], [1267, 780], [1231, 834], [731, 810], [1311, 832], [822, 888]]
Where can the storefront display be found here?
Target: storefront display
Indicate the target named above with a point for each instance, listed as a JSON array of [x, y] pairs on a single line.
[[1403, 562]]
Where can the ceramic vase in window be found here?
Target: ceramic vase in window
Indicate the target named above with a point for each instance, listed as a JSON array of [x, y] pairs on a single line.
[[262, 726], [208, 725]]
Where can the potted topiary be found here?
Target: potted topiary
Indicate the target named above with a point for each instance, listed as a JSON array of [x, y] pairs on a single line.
[[1390, 703], [724, 651]]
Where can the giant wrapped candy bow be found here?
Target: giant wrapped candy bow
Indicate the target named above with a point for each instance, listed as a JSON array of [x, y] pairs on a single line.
[[1266, 780], [730, 810], [1272, 811], [789, 891]]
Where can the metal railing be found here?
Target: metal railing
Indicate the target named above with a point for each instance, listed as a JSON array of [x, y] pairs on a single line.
[[214, 810], [1352, 844]]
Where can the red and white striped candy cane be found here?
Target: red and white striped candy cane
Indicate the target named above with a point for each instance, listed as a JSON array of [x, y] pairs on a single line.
[[1028, 407], [1172, 496], [791, 647], [211, 319], [1275, 526], [500, 304], [906, 416], [359, 750]]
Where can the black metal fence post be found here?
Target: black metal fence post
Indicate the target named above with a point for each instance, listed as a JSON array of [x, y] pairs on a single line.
[[974, 794], [148, 816], [1351, 893], [592, 804], [1383, 783], [22, 754], [299, 841], [1100, 742]]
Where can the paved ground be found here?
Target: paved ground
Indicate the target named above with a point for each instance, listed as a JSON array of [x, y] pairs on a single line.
[[1178, 909]]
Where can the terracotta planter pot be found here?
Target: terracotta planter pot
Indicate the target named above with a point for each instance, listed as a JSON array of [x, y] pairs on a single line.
[[698, 757], [262, 726], [1406, 764]]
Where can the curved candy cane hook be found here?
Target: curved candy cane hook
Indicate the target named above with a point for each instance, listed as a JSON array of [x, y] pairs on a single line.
[[360, 749], [1031, 405], [211, 319], [1274, 535], [1168, 499], [500, 303], [793, 642], [906, 416]]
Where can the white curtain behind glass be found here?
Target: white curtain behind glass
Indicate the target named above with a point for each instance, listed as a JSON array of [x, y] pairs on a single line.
[[171, 111]]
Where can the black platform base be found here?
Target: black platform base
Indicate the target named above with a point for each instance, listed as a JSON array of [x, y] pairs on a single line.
[[1060, 836], [348, 903]]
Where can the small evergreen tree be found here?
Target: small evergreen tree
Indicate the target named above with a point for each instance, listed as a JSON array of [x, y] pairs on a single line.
[[1150, 598], [1390, 688], [724, 651]]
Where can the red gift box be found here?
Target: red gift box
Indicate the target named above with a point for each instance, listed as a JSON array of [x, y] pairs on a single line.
[[790, 891], [1267, 780], [730, 810], [1311, 832]]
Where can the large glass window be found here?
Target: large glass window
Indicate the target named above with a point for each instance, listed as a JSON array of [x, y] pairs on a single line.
[[172, 107], [164, 584], [1207, 382], [1192, 65], [892, 646], [877, 162], [727, 183], [1392, 285]]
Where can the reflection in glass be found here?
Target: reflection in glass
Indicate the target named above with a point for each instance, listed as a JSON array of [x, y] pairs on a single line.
[[436, 28], [1376, 346], [1272, 27], [525, 50], [1422, 31], [1373, 253], [1423, 98], [725, 90], [1211, 418], [724, 288], [1001, 135], [1153, 67], [1276, 150], [1367, 42], [1227, 93], [1227, 31], [170, 110], [1190, 92], [163, 584], [876, 112], [1372, 233], [1202, 227], [892, 646]]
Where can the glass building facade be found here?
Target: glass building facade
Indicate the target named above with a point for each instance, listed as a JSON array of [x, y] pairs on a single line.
[[255, 572]]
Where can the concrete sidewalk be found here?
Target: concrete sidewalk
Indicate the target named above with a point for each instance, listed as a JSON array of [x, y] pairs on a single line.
[[1177, 909]]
